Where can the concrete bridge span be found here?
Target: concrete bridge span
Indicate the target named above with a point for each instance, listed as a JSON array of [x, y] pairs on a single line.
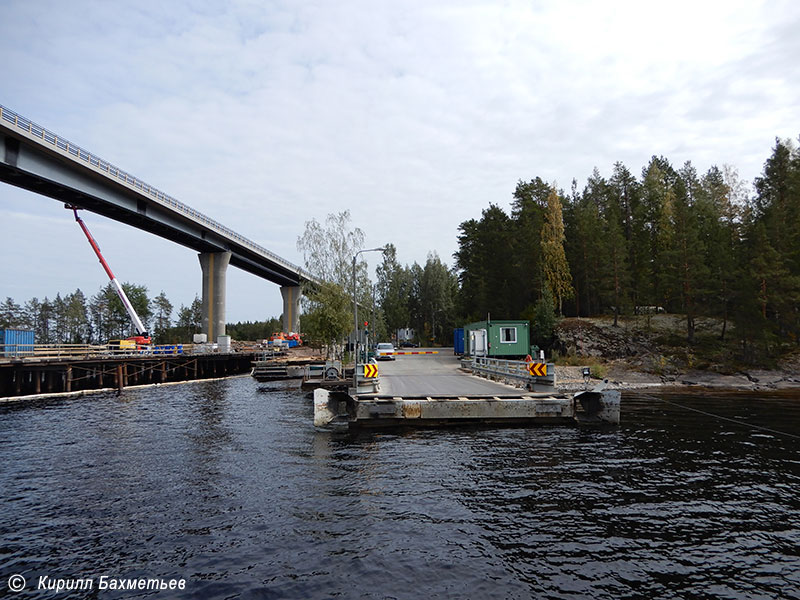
[[33, 158]]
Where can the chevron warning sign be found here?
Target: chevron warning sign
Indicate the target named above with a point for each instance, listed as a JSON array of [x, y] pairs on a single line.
[[370, 371], [537, 369]]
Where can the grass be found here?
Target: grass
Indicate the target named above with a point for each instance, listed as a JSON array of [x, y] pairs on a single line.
[[598, 368]]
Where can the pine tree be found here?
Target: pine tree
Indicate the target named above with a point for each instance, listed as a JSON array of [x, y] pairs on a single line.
[[11, 314], [543, 320], [436, 298], [76, 319], [162, 313], [777, 207], [32, 311], [490, 282], [658, 200], [60, 319], [690, 250], [625, 195], [584, 244], [393, 290], [616, 268], [718, 218], [524, 255]]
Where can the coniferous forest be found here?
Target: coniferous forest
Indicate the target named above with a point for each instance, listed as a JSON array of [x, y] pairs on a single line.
[[670, 239], [76, 319]]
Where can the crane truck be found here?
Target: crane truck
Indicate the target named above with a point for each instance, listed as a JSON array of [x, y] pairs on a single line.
[[141, 338]]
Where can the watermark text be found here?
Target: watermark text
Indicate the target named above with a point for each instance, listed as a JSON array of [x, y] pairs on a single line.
[[17, 583]]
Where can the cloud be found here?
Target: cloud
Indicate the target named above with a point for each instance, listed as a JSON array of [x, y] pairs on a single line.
[[413, 115]]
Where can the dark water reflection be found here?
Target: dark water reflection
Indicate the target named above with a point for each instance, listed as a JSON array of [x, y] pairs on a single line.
[[228, 485]]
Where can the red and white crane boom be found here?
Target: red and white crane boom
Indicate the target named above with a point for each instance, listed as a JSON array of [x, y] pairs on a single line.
[[142, 337]]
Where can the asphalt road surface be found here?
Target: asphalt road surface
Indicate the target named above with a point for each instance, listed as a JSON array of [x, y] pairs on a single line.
[[434, 374]]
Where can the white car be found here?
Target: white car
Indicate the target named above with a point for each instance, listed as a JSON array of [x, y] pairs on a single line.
[[384, 351]]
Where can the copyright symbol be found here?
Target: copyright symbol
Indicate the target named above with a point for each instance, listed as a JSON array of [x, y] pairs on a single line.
[[16, 583]]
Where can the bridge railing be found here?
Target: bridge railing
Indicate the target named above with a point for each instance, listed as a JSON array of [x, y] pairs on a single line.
[[34, 352], [48, 137]]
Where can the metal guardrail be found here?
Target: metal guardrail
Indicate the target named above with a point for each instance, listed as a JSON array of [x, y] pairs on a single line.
[[516, 369], [37, 131]]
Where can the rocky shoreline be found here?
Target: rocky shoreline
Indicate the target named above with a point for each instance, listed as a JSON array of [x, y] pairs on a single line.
[[633, 358], [621, 377]]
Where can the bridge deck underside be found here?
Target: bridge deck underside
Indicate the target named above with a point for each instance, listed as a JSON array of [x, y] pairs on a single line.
[[24, 165]]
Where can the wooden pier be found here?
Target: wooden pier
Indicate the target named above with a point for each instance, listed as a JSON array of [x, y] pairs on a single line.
[[45, 375]]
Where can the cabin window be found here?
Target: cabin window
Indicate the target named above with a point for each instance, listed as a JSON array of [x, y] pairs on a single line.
[[508, 335]]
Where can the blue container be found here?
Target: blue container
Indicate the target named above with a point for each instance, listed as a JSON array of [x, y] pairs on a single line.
[[16, 342], [168, 349], [292, 343], [458, 341]]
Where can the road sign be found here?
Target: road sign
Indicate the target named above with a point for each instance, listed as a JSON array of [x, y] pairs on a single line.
[[537, 369], [370, 371]]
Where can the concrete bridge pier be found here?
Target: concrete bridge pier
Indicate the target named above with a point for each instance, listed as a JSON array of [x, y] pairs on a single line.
[[291, 307], [214, 265]]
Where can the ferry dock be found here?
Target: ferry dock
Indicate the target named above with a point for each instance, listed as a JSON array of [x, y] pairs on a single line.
[[440, 390]]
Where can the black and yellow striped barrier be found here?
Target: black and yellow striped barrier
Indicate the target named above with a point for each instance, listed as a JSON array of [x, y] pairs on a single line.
[[537, 369]]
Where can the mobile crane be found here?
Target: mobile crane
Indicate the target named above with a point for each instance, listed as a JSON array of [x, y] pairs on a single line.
[[142, 338]]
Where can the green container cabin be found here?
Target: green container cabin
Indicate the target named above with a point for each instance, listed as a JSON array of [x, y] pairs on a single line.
[[497, 339]]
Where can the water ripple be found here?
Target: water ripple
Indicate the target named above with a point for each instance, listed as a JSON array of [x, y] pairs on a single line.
[[228, 485]]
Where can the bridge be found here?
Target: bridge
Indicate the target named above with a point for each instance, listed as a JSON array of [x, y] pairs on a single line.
[[38, 160]]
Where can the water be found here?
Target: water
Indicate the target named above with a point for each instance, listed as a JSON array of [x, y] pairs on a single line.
[[227, 485]]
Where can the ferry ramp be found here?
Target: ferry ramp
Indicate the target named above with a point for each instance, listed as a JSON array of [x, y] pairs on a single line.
[[431, 390], [434, 375]]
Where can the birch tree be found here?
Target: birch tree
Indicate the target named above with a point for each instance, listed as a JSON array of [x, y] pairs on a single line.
[[328, 253]]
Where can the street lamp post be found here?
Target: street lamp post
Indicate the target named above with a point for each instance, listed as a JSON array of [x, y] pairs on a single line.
[[355, 317]]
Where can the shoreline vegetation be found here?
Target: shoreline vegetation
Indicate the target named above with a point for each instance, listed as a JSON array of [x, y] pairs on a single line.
[[646, 351]]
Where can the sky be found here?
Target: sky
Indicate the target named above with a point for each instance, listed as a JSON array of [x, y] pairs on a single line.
[[412, 115]]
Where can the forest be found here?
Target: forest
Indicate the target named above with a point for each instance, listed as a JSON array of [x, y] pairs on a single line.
[[76, 319], [670, 239]]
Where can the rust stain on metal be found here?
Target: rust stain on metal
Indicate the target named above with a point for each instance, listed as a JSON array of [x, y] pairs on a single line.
[[412, 410]]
